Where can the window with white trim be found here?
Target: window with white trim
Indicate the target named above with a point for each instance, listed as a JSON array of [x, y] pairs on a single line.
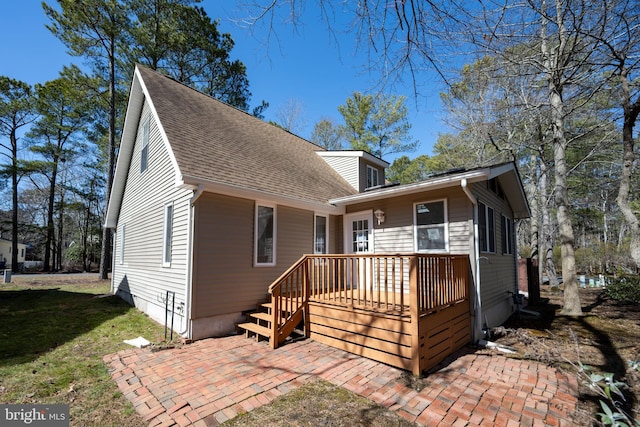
[[265, 235], [372, 177], [320, 235], [431, 226], [121, 248], [486, 228], [168, 231], [507, 235], [144, 152]]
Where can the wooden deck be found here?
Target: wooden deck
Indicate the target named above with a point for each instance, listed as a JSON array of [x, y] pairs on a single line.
[[409, 311]]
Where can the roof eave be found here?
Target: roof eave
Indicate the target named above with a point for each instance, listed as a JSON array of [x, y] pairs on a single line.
[[432, 184], [253, 194]]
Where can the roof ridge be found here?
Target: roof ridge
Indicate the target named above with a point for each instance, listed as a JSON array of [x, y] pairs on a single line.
[[158, 73]]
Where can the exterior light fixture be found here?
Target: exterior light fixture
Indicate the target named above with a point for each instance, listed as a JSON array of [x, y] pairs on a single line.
[[379, 216]]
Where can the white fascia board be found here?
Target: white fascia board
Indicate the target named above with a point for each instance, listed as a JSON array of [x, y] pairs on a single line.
[[355, 153], [125, 152], [137, 96], [431, 184], [163, 134], [251, 194]]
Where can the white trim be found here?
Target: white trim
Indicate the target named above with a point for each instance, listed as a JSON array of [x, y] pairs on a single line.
[[355, 153], [259, 204], [167, 235], [445, 224], [348, 218], [326, 231], [400, 190]]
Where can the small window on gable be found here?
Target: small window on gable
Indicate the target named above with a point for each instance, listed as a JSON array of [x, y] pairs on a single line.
[[507, 235], [373, 179], [168, 231], [144, 153], [320, 235], [121, 248], [494, 185], [486, 228], [265, 236], [431, 227]]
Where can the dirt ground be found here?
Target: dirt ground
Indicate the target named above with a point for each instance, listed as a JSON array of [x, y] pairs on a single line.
[[605, 338]]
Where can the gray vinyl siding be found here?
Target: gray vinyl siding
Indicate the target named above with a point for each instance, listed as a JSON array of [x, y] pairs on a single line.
[[497, 271], [396, 233], [225, 279], [142, 213], [347, 167]]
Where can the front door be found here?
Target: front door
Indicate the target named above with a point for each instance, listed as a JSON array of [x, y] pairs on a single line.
[[358, 239]]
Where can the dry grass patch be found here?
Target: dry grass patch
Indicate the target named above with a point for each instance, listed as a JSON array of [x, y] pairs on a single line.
[[320, 403]]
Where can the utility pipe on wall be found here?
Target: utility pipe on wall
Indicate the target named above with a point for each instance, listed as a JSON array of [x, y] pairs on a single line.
[[477, 327], [187, 291]]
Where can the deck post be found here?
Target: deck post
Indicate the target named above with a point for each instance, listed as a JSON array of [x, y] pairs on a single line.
[[414, 307], [275, 318], [306, 294]]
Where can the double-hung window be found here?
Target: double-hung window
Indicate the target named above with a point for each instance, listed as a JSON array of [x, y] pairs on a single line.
[[265, 235], [144, 152], [486, 228], [372, 177], [431, 227], [168, 231], [507, 235], [320, 235]]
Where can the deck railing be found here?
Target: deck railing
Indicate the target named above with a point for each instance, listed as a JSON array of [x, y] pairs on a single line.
[[408, 285], [289, 296]]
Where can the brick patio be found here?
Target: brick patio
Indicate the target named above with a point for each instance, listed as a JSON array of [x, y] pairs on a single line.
[[213, 380]]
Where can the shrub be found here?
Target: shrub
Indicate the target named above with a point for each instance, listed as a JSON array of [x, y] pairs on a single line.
[[624, 288]]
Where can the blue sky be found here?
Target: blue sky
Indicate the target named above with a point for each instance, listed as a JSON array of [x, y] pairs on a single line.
[[305, 65]]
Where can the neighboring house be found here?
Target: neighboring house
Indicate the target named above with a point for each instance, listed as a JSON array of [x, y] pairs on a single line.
[[211, 205], [5, 252]]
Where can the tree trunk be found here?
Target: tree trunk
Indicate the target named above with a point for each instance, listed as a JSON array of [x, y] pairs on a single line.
[[572, 305], [631, 112], [105, 252], [14, 201], [548, 266]]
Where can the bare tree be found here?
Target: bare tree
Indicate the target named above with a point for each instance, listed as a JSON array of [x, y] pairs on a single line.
[[291, 116], [620, 48]]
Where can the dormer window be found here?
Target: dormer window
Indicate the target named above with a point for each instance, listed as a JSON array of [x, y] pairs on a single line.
[[373, 179]]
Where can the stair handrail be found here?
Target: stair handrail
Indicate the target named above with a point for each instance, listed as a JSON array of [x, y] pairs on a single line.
[[282, 327]]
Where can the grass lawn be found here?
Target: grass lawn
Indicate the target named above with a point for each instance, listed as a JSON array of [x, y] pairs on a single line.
[[54, 333]]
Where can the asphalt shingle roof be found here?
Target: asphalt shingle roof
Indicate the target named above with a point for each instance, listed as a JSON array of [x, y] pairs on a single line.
[[215, 142]]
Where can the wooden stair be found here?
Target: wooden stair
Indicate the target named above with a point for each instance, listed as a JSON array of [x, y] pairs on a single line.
[[258, 323]]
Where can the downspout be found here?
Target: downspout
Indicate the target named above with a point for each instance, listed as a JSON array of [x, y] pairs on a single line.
[[477, 327], [113, 262], [187, 286]]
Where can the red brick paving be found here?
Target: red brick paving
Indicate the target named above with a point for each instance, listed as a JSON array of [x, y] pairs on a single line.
[[213, 380]]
